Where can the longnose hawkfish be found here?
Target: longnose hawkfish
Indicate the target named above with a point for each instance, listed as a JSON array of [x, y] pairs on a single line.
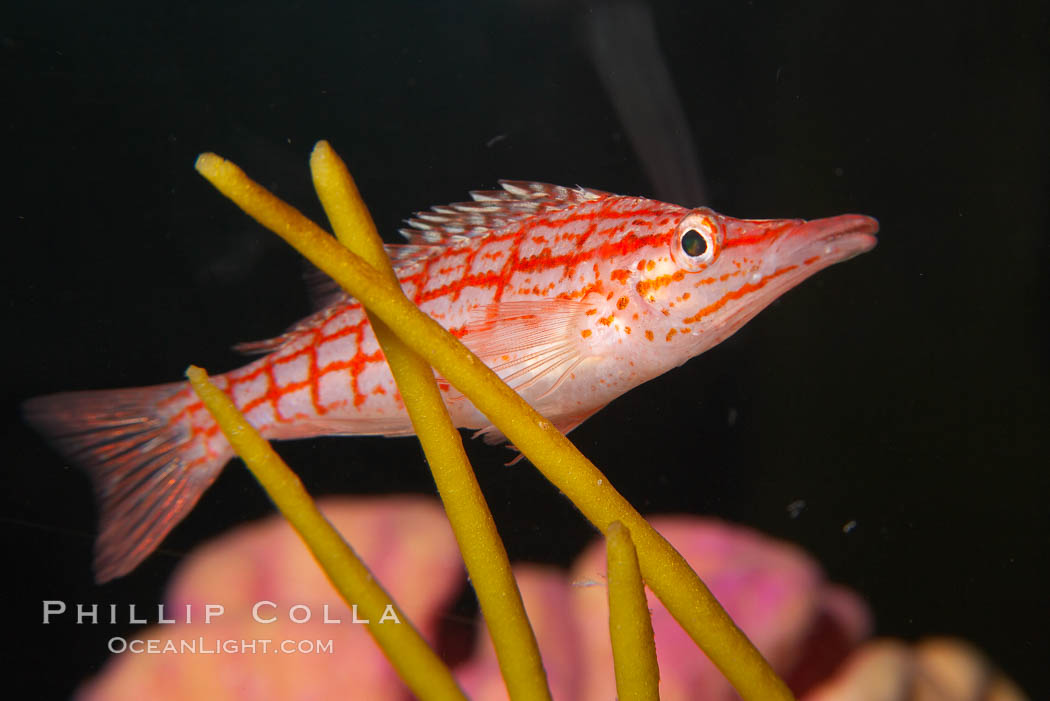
[[573, 296]]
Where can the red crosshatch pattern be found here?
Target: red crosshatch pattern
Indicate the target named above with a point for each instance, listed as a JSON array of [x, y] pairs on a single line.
[[572, 296], [602, 249], [560, 255]]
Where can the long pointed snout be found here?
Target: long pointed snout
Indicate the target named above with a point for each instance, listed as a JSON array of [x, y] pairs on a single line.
[[832, 239]]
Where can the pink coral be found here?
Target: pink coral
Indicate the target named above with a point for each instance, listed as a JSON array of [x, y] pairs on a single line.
[[406, 542], [776, 593]]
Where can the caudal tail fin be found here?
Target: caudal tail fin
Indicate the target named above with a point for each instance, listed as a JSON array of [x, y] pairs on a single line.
[[148, 458]]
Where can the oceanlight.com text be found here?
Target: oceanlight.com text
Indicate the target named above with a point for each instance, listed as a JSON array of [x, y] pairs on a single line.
[[219, 646]]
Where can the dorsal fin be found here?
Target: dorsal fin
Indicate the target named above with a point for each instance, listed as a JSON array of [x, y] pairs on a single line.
[[321, 290], [325, 296], [489, 211]]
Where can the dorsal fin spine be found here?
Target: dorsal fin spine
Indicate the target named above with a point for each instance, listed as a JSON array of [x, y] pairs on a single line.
[[491, 210]]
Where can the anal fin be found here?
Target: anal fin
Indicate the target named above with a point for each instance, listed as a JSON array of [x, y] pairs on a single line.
[[493, 436]]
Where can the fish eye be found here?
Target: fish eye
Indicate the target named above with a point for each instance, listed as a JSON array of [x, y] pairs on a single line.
[[699, 236], [694, 244]]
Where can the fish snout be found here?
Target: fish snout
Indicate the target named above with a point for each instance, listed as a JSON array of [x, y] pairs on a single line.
[[832, 239]]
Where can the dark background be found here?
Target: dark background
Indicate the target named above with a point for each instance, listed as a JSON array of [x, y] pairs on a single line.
[[905, 390]]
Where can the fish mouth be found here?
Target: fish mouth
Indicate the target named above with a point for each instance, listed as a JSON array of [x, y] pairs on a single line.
[[829, 240], [811, 246]]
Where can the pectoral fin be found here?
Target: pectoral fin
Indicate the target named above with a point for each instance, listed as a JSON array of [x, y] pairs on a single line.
[[527, 341]]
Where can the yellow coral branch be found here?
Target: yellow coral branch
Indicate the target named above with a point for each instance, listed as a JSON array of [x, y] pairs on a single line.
[[665, 570], [479, 542], [630, 628], [419, 666]]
